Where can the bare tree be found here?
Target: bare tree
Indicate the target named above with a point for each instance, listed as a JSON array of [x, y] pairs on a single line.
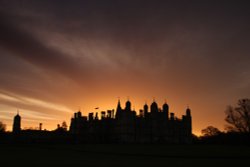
[[210, 131], [238, 118], [2, 127]]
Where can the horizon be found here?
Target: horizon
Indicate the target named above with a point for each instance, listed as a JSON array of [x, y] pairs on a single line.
[[58, 57], [97, 110]]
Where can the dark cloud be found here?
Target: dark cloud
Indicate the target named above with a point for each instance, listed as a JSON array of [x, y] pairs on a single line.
[[205, 34], [24, 45], [168, 36]]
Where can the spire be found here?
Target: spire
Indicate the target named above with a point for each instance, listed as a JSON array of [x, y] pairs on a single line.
[[119, 104], [17, 114], [165, 108], [118, 109], [17, 123]]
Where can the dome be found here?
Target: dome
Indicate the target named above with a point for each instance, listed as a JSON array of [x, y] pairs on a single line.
[[165, 105], [128, 105], [154, 107], [154, 104]]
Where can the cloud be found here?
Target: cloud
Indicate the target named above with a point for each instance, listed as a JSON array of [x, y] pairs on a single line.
[[16, 100], [80, 39], [26, 46]]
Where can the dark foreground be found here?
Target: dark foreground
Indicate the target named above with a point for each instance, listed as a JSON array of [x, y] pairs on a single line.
[[124, 155]]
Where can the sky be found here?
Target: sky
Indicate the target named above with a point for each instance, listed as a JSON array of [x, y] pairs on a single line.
[[59, 56]]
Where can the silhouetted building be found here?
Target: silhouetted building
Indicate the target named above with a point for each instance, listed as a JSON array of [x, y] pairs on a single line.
[[78, 123], [126, 127], [17, 123], [40, 126]]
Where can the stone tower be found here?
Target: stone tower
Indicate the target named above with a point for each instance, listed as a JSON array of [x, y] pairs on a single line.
[[17, 123]]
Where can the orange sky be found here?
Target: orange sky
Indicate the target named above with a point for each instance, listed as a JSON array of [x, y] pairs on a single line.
[[34, 111], [57, 57]]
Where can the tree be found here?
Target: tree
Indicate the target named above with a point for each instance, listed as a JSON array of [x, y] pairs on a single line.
[[2, 127], [238, 118], [210, 131], [64, 126]]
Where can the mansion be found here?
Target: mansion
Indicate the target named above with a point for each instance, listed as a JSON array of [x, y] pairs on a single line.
[[151, 125]]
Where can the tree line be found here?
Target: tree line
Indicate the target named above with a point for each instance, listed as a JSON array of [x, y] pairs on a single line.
[[237, 129]]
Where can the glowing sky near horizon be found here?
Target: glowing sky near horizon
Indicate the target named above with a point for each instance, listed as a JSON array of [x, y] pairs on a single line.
[[59, 56]]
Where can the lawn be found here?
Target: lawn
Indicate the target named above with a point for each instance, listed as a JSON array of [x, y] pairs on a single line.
[[124, 155]]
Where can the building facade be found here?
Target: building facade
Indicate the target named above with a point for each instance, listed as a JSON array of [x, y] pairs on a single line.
[[156, 125]]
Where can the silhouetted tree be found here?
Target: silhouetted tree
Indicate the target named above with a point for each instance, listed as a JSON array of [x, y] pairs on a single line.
[[64, 126], [238, 118], [210, 131], [2, 127]]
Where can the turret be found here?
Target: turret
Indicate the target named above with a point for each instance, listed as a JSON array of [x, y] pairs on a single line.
[[154, 107], [145, 107], [189, 121], [171, 116], [17, 123], [165, 108], [79, 114], [128, 106], [188, 112]]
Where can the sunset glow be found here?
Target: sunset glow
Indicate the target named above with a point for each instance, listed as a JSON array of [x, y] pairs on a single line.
[[57, 57]]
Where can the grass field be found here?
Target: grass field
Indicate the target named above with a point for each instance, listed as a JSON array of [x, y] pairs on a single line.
[[124, 155]]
